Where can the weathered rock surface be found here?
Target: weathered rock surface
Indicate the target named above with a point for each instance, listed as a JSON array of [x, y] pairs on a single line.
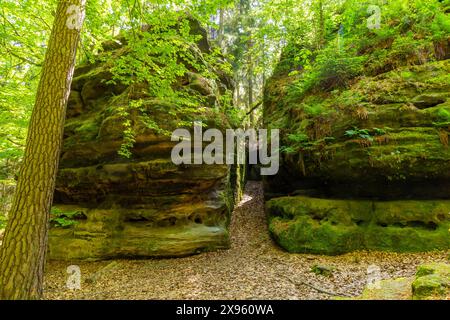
[[328, 226], [432, 282], [144, 206], [389, 289], [378, 151]]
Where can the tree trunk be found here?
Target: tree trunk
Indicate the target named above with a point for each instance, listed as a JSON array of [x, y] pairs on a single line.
[[220, 36], [250, 94], [321, 31], [22, 255], [250, 76]]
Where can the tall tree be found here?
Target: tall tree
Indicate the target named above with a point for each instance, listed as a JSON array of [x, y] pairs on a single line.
[[320, 24], [22, 256], [220, 34]]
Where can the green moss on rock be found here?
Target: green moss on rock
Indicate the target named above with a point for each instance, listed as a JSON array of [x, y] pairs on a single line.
[[432, 282], [410, 160], [312, 225]]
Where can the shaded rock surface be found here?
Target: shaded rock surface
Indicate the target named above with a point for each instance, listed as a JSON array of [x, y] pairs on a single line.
[[145, 205]]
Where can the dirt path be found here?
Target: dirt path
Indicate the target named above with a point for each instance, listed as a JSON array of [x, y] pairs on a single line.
[[253, 268]]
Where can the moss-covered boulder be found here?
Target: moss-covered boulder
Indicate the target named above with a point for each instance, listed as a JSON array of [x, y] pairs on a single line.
[[110, 204], [432, 282], [327, 226]]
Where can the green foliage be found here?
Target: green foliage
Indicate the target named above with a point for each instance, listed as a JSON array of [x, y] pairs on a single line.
[[359, 133], [298, 138], [404, 37], [443, 118], [443, 115], [365, 134], [319, 56], [300, 143], [314, 109], [333, 71], [22, 34], [63, 219], [6, 195], [379, 131], [329, 71], [297, 142], [157, 58]]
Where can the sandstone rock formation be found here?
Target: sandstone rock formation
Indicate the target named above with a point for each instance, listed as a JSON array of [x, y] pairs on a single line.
[[368, 167], [108, 206]]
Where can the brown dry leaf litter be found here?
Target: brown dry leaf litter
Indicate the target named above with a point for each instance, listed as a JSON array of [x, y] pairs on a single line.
[[253, 268]]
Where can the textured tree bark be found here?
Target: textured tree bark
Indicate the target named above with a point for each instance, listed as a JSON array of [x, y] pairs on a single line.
[[22, 255], [250, 80], [321, 27], [221, 31]]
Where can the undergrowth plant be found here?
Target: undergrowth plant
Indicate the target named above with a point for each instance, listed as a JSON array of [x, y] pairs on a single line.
[[63, 219]]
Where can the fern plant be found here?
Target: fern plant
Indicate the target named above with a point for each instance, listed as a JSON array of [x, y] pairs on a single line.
[[63, 219], [359, 133]]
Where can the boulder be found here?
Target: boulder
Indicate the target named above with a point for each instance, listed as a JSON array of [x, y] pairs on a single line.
[[432, 282], [424, 101]]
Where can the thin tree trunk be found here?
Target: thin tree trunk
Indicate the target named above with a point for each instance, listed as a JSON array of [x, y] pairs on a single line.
[[220, 36], [321, 31], [250, 95], [250, 77], [22, 255]]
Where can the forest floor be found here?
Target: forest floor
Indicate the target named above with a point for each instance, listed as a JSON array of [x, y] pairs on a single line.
[[253, 268]]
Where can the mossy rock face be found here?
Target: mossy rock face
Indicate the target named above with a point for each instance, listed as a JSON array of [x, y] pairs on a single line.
[[325, 226], [403, 152], [144, 206], [432, 282], [384, 139]]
